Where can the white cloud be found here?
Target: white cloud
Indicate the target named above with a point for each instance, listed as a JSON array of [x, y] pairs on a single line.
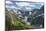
[[9, 2], [22, 3], [10, 6]]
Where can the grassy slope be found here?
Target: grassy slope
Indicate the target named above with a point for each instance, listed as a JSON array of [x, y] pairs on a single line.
[[15, 23]]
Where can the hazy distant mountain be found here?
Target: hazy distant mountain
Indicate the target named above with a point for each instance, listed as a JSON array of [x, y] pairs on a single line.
[[39, 16]]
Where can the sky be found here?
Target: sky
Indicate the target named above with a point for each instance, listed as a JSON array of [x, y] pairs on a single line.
[[12, 4]]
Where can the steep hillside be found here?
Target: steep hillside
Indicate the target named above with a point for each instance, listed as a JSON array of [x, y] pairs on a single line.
[[14, 23]]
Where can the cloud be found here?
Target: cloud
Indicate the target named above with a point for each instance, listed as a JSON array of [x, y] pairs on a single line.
[[9, 2], [10, 6], [31, 5], [21, 3]]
